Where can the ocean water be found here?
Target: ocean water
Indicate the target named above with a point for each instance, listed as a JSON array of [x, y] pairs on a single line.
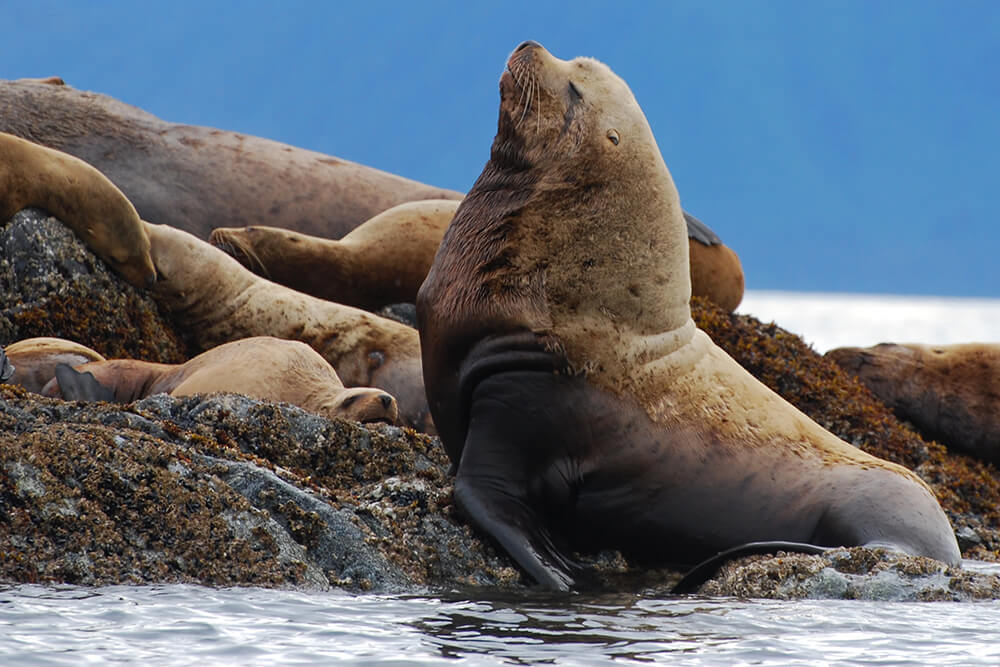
[[182, 625]]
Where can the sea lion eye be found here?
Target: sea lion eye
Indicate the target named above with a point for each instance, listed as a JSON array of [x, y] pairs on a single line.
[[613, 136], [574, 94]]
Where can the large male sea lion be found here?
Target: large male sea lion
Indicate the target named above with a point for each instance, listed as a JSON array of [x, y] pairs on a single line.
[[196, 178], [385, 259], [261, 367], [35, 359], [950, 392], [80, 196], [579, 403]]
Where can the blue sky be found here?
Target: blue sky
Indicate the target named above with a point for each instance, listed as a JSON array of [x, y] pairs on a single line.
[[837, 146]]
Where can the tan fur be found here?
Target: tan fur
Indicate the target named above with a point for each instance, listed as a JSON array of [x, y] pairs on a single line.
[[263, 367], [386, 259], [80, 196], [218, 301], [716, 274], [35, 359], [196, 178], [383, 261], [950, 392]]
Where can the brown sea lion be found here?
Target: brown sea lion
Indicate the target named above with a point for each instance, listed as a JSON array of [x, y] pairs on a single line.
[[261, 367], [579, 403], [950, 392], [216, 301], [35, 359], [196, 178], [80, 196], [385, 259]]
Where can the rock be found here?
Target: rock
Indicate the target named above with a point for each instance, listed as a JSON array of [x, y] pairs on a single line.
[[851, 574], [226, 490], [51, 285]]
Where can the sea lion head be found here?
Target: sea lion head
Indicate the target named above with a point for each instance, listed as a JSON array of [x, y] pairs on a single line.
[[574, 228], [364, 404]]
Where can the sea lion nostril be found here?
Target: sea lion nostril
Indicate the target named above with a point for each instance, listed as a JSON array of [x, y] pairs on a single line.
[[526, 44], [386, 400]]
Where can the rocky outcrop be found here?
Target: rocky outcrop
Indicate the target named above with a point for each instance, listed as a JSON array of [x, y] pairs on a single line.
[[226, 490]]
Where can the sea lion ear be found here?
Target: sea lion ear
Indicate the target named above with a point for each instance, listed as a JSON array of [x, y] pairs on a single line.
[[613, 136]]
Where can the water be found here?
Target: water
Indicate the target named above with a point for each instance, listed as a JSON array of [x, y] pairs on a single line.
[[179, 625], [837, 320], [167, 625]]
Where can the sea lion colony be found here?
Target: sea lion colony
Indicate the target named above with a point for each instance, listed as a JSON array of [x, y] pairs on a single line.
[[532, 334]]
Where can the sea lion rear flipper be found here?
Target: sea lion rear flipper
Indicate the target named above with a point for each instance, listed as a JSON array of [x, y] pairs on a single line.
[[6, 368], [76, 386], [707, 569], [699, 231]]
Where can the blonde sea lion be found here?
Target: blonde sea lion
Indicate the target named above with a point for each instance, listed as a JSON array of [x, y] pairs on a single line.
[[950, 392], [35, 359], [385, 259], [196, 178], [262, 367], [80, 196], [571, 389]]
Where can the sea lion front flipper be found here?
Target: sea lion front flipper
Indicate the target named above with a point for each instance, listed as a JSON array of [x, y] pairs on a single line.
[[77, 386], [707, 569], [512, 523], [499, 481]]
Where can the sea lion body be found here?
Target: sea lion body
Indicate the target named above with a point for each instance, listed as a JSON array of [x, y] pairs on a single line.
[[35, 359], [80, 196], [381, 262], [950, 392], [579, 403], [196, 178], [261, 367], [386, 259]]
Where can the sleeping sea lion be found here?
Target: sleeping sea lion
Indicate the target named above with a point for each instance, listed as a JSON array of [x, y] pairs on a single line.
[[950, 392], [261, 367], [196, 178], [579, 403]]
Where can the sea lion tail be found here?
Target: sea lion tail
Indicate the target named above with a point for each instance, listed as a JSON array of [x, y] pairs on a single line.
[[707, 569], [77, 386]]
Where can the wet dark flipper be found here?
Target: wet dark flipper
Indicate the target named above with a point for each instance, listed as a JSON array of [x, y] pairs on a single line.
[[707, 569], [512, 426], [76, 386], [6, 368], [699, 231]]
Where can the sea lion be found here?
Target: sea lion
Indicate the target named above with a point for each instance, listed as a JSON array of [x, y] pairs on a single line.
[[79, 195], [35, 359], [216, 301], [196, 178], [951, 393], [385, 259], [381, 262], [262, 367], [579, 403]]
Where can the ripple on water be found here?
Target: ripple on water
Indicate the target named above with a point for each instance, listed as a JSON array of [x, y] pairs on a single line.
[[185, 624]]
